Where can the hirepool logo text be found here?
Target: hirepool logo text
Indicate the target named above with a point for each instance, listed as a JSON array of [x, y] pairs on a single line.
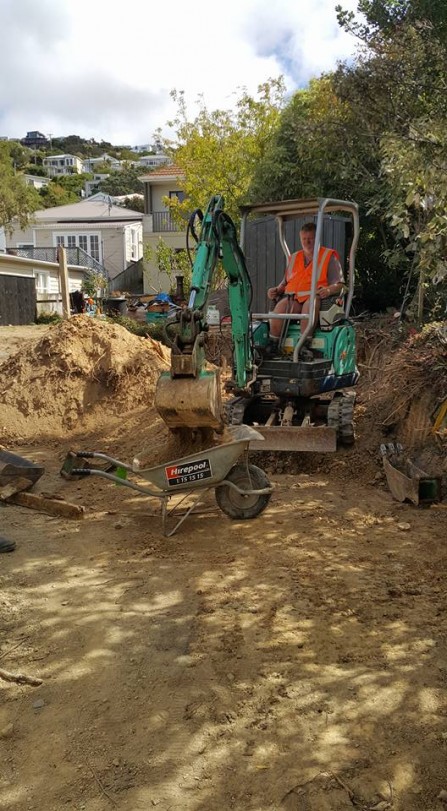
[[189, 472]]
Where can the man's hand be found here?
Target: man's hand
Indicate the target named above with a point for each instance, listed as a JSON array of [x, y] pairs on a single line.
[[326, 292], [273, 293]]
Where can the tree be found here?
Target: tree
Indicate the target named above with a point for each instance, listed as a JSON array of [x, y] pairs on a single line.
[[134, 203], [386, 17], [54, 194], [125, 181], [398, 91], [17, 200], [169, 261], [374, 131], [218, 151], [63, 190]]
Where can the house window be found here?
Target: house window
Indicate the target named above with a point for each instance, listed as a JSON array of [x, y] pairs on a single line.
[[133, 245], [88, 242], [180, 195], [94, 246], [42, 278]]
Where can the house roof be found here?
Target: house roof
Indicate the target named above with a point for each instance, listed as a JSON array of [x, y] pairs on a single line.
[[87, 211], [163, 174]]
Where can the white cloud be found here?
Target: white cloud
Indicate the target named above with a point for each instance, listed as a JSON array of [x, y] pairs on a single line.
[[83, 67]]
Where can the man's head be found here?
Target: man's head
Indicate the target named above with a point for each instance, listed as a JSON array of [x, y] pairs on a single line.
[[307, 237]]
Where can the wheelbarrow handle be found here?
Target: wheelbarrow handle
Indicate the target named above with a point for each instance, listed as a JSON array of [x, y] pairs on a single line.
[[85, 454], [81, 471]]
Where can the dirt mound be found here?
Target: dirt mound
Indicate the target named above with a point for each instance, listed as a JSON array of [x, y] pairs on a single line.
[[402, 384], [81, 372]]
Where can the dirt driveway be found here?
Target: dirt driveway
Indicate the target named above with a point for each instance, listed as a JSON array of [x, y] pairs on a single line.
[[295, 662]]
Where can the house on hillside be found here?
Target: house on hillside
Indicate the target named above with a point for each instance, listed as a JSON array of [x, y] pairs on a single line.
[[91, 186], [90, 164], [151, 161], [116, 199], [36, 181], [157, 221], [103, 237], [35, 140], [57, 165]]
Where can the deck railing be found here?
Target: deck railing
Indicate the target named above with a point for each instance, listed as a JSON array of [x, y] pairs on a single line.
[[75, 256], [162, 222]]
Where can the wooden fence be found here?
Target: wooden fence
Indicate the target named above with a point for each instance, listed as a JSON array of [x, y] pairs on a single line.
[[17, 300]]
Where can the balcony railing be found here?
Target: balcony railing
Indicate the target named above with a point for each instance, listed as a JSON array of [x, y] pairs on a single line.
[[75, 256], [162, 222]]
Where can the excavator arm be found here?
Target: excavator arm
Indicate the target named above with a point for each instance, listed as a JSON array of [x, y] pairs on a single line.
[[188, 396]]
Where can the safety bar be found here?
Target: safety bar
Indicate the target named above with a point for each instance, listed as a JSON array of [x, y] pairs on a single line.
[[290, 209]]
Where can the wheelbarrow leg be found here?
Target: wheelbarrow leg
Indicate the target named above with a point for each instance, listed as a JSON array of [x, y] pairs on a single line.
[[166, 513]]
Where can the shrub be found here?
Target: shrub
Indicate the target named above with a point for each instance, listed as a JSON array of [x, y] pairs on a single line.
[[48, 318]]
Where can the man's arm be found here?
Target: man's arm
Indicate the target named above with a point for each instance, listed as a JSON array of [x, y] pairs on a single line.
[[335, 279], [279, 290]]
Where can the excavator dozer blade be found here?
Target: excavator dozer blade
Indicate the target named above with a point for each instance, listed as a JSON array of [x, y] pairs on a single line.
[[314, 438], [190, 402]]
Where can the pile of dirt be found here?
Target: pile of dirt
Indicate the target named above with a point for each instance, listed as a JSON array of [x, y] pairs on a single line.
[[80, 373], [404, 380]]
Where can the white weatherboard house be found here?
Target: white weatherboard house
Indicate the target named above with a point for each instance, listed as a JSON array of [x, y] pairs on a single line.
[[158, 223], [103, 235], [57, 165]]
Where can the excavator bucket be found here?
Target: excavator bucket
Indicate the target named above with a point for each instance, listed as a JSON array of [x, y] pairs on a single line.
[[190, 402]]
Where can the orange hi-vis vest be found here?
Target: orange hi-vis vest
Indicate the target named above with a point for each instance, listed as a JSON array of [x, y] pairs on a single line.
[[298, 276]]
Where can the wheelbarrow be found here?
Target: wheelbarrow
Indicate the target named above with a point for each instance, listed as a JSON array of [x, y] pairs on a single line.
[[242, 490]]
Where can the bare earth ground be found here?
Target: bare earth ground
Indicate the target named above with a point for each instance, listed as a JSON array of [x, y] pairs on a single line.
[[295, 662]]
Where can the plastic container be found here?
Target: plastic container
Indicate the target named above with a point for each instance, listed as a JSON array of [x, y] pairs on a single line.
[[152, 318], [213, 316]]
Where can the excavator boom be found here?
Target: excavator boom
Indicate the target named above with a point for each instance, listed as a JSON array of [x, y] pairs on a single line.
[[189, 395]]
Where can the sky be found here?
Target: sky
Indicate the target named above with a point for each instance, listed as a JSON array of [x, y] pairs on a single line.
[[105, 70]]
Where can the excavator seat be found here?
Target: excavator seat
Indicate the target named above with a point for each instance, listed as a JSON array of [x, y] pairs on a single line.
[[332, 312]]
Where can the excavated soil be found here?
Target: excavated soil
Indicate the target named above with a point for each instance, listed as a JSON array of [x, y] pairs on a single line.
[[295, 662]]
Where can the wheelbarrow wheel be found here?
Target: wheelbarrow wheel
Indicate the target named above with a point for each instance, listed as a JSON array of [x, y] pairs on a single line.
[[237, 505]]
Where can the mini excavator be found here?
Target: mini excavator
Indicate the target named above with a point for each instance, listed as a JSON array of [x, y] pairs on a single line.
[[296, 397]]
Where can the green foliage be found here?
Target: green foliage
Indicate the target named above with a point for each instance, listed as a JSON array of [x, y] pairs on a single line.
[[385, 17], [17, 200], [375, 131], [20, 155], [48, 318], [92, 282], [34, 169], [170, 261], [153, 330], [125, 181], [217, 151], [134, 203], [54, 194]]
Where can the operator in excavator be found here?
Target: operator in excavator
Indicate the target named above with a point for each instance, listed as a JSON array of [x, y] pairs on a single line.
[[297, 280]]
